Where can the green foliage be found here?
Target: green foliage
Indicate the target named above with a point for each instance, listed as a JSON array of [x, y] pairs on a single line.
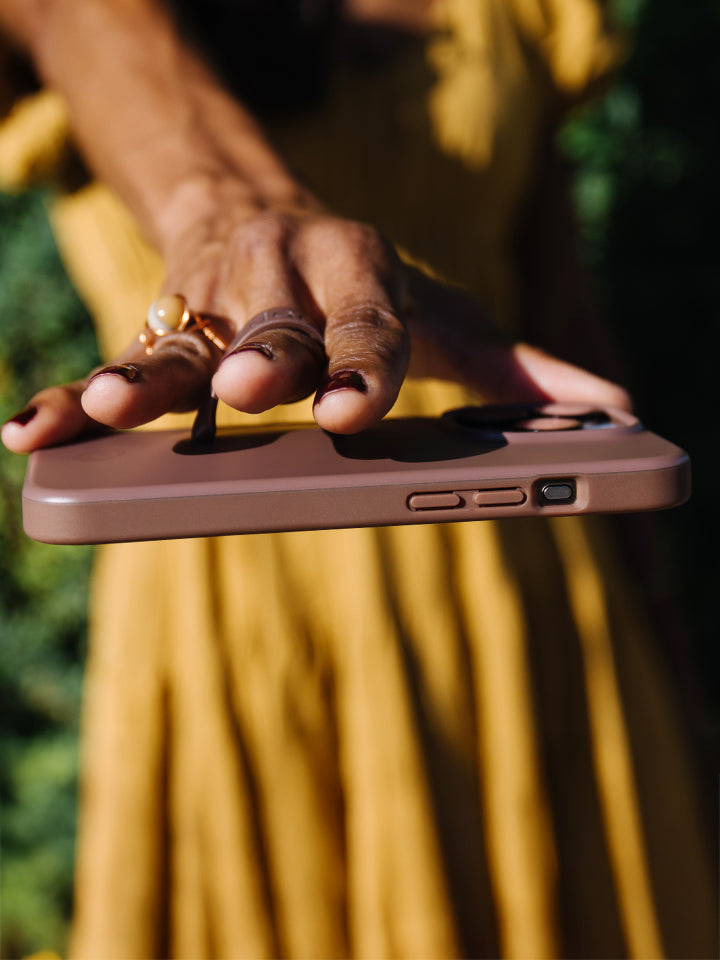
[[39, 825], [46, 337], [648, 197]]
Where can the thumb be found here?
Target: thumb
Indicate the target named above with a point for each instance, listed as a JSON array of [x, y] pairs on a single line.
[[454, 339], [519, 372]]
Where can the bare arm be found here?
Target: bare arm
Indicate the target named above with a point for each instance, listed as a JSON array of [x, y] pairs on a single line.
[[240, 235], [148, 116]]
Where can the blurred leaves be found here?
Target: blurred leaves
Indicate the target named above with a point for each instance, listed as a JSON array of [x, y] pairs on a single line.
[[648, 196], [38, 840], [45, 337]]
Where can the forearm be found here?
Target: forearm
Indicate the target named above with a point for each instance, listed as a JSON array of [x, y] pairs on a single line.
[[148, 116]]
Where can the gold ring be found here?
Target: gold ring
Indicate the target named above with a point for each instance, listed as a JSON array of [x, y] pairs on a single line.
[[171, 314]]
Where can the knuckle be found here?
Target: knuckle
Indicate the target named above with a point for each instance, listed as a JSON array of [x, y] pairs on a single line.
[[358, 251], [362, 235], [262, 234], [370, 316], [354, 236], [368, 332]]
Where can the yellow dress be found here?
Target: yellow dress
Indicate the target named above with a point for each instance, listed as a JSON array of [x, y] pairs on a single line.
[[437, 741]]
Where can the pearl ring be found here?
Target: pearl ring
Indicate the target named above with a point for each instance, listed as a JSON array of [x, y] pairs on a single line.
[[171, 314]]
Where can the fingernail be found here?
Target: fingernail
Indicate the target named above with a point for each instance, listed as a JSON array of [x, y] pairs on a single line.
[[343, 380], [128, 371], [24, 417], [262, 348]]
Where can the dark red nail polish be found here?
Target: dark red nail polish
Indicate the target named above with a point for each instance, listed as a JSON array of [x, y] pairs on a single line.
[[128, 371], [343, 380], [24, 417], [262, 348]]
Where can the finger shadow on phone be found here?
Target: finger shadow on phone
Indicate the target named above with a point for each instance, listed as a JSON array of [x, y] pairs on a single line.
[[233, 441], [415, 440]]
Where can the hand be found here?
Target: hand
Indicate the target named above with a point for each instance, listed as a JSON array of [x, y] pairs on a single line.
[[240, 235], [354, 290]]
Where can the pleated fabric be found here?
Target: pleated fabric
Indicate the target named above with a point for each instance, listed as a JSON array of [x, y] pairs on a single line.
[[433, 757], [434, 741]]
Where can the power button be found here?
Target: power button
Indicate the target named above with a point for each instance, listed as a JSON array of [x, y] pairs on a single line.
[[557, 491]]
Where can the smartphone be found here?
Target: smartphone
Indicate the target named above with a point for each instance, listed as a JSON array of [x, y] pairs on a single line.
[[471, 463]]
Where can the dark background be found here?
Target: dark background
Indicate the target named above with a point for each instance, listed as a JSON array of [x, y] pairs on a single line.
[[647, 194]]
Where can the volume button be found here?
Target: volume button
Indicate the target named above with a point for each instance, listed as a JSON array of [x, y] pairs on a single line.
[[505, 497], [434, 501]]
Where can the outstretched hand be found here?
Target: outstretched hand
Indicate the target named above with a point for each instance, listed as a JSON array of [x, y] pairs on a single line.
[[240, 235], [375, 317]]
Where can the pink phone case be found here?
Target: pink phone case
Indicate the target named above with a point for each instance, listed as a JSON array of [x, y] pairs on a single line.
[[471, 464]]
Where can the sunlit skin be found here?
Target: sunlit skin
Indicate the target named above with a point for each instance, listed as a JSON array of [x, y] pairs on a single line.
[[239, 235]]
